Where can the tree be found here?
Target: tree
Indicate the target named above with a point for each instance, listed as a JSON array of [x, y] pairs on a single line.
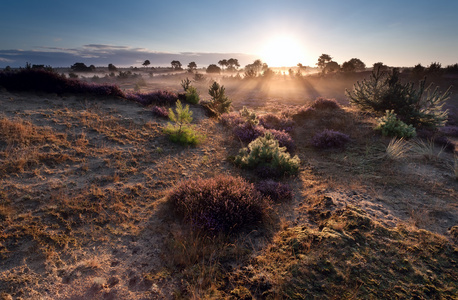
[[323, 60], [379, 66], [331, 67], [233, 64], [112, 68], [146, 63], [176, 64], [223, 63], [253, 69], [348, 67], [213, 69], [81, 67], [383, 92], [359, 65], [192, 66]]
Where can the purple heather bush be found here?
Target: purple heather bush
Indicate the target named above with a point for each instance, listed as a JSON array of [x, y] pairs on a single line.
[[276, 191], [450, 130], [160, 111], [284, 139], [328, 139], [231, 119], [158, 97], [247, 132], [304, 112], [322, 103], [272, 121], [220, 204]]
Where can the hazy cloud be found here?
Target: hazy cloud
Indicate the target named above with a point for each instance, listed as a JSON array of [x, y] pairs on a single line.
[[102, 55]]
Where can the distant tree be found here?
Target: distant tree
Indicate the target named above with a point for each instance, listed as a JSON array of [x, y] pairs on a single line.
[[213, 69], [252, 70], [359, 65], [418, 72], [379, 66], [233, 64], [452, 69], [176, 64], [223, 63], [348, 67], [323, 60], [92, 67], [112, 68], [434, 69], [331, 67], [146, 63], [81, 67], [192, 66], [8, 69]]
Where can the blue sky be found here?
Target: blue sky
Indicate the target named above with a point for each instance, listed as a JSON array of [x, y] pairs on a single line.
[[59, 32]]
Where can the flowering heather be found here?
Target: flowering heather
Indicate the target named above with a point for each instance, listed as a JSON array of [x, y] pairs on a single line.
[[247, 132], [231, 119], [304, 112], [159, 98], [323, 103], [284, 139], [39, 80], [159, 111], [450, 130], [276, 191], [271, 121], [220, 204], [330, 139]]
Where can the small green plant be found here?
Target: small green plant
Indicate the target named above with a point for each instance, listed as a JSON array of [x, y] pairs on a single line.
[[219, 102], [390, 125], [250, 116], [264, 153], [191, 95], [181, 132], [186, 83]]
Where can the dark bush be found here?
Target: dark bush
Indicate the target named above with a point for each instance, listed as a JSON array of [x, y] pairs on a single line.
[[276, 191], [445, 143], [450, 130], [221, 204], [159, 111], [328, 139], [271, 121], [323, 103], [39, 80]]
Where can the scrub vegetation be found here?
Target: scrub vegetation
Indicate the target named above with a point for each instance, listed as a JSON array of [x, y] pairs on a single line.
[[271, 186]]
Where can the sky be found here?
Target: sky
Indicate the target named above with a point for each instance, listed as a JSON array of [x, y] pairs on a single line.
[[281, 33]]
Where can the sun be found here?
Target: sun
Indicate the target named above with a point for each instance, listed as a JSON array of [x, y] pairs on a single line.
[[283, 51]]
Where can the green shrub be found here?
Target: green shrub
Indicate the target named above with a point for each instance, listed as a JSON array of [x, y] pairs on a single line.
[[181, 132], [264, 153], [219, 102], [420, 107], [390, 125], [191, 95]]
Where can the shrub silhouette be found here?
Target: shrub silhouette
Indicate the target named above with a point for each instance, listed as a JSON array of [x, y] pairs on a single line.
[[219, 102], [220, 204], [322, 103]]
